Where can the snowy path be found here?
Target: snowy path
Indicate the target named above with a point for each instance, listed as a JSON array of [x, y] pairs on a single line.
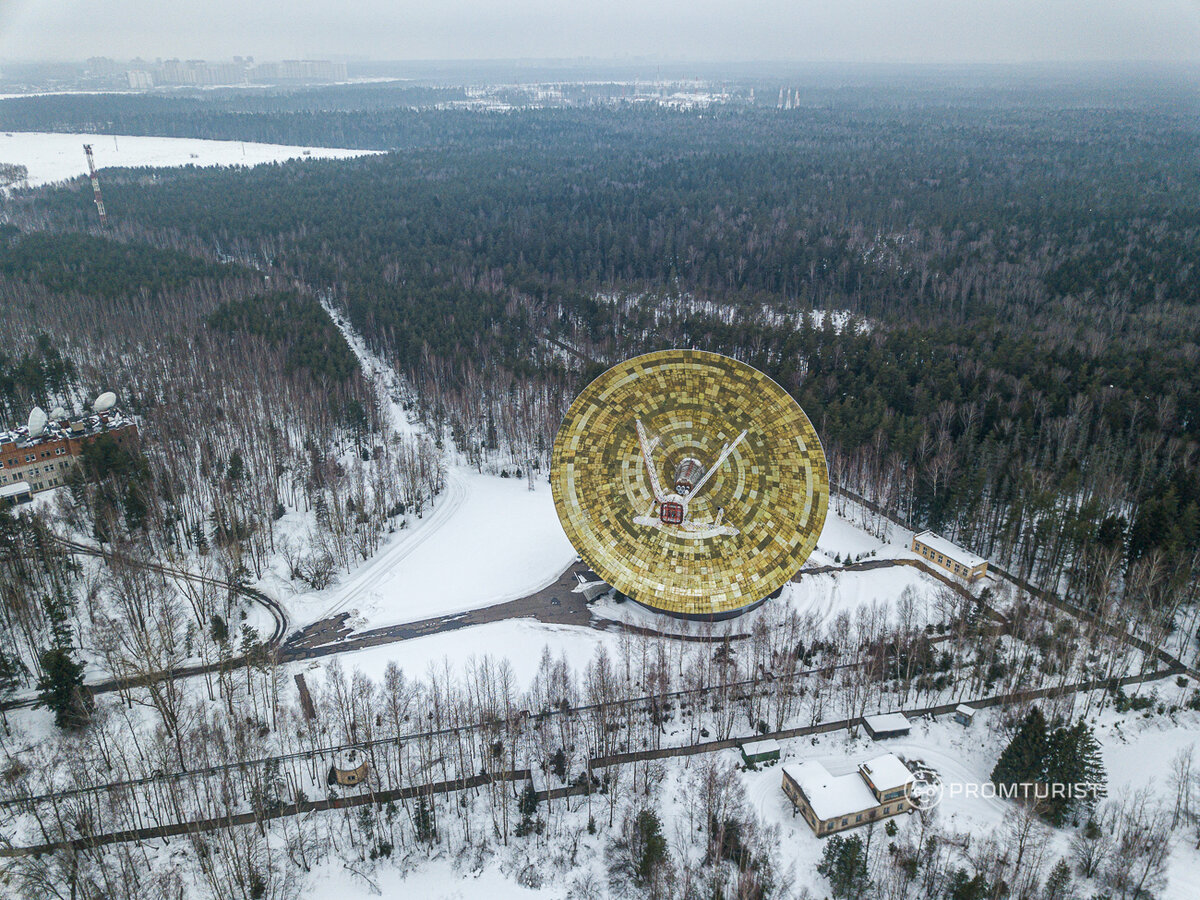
[[487, 540], [364, 580]]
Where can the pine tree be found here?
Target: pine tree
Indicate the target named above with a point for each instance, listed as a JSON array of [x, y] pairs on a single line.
[[527, 805], [1073, 760], [61, 688], [650, 846], [844, 863], [1058, 883], [423, 822], [963, 888], [1024, 759]]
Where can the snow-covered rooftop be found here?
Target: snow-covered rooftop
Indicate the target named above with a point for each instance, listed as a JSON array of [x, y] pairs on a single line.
[[886, 772], [949, 549], [11, 490], [754, 748], [71, 427], [963, 709], [830, 796], [887, 722]]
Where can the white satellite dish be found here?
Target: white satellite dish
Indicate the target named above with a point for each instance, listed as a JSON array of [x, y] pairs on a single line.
[[105, 402], [57, 414], [37, 421]]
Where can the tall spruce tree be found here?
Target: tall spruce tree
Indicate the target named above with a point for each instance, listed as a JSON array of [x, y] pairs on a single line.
[[1024, 760], [844, 863], [1073, 762], [61, 688], [1058, 882]]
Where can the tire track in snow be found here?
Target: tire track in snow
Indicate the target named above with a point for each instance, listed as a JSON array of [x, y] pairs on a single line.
[[386, 382], [371, 573]]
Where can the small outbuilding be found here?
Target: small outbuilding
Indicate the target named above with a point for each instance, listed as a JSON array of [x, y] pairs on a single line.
[[963, 714], [760, 752], [886, 725], [17, 492], [349, 768]]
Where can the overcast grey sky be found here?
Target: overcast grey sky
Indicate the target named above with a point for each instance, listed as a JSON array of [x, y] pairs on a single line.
[[934, 31]]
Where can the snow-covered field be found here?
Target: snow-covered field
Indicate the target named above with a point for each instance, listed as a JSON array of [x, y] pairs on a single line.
[[487, 540], [59, 157]]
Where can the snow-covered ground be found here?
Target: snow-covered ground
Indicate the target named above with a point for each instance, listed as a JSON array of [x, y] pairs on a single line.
[[487, 540], [58, 157], [1137, 753], [437, 880], [520, 641]]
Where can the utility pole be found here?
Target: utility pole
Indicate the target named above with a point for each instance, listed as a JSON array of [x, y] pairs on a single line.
[[87, 148]]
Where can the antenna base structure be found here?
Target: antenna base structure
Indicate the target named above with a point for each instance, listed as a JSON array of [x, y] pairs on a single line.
[[690, 482]]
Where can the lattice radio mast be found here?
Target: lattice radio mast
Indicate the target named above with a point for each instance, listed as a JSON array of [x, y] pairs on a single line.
[[87, 148]]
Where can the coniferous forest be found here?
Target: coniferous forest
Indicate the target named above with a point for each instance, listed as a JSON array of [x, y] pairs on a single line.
[[983, 292], [1018, 371]]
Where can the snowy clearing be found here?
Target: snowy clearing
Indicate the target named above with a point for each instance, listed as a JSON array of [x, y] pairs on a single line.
[[487, 540], [59, 157]]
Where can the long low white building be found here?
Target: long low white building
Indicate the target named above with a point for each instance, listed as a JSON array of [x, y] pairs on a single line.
[[949, 556]]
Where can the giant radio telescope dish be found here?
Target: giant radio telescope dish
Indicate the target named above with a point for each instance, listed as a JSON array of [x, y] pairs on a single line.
[[37, 421], [691, 482], [105, 402]]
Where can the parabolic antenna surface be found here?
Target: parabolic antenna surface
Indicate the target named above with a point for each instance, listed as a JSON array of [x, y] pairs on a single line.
[[691, 482], [37, 421]]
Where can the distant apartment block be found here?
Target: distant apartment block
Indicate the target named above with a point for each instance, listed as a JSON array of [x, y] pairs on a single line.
[[949, 556], [242, 70]]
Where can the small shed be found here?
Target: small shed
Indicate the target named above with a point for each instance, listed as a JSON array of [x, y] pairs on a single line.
[[349, 767], [963, 714], [591, 590], [759, 752], [17, 492], [886, 725]]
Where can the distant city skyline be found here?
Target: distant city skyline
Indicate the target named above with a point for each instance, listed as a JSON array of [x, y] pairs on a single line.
[[877, 31]]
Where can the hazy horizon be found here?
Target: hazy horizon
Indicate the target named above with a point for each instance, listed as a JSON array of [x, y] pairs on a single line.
[[920, 32]]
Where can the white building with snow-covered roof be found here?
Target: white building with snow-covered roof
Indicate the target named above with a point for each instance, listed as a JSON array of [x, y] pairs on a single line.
[[830, 803]]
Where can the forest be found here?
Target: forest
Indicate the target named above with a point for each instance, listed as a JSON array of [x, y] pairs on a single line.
[[985, 301], [1023, 288]]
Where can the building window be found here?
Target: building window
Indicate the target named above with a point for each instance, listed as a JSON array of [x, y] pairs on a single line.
[[886, 810]]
